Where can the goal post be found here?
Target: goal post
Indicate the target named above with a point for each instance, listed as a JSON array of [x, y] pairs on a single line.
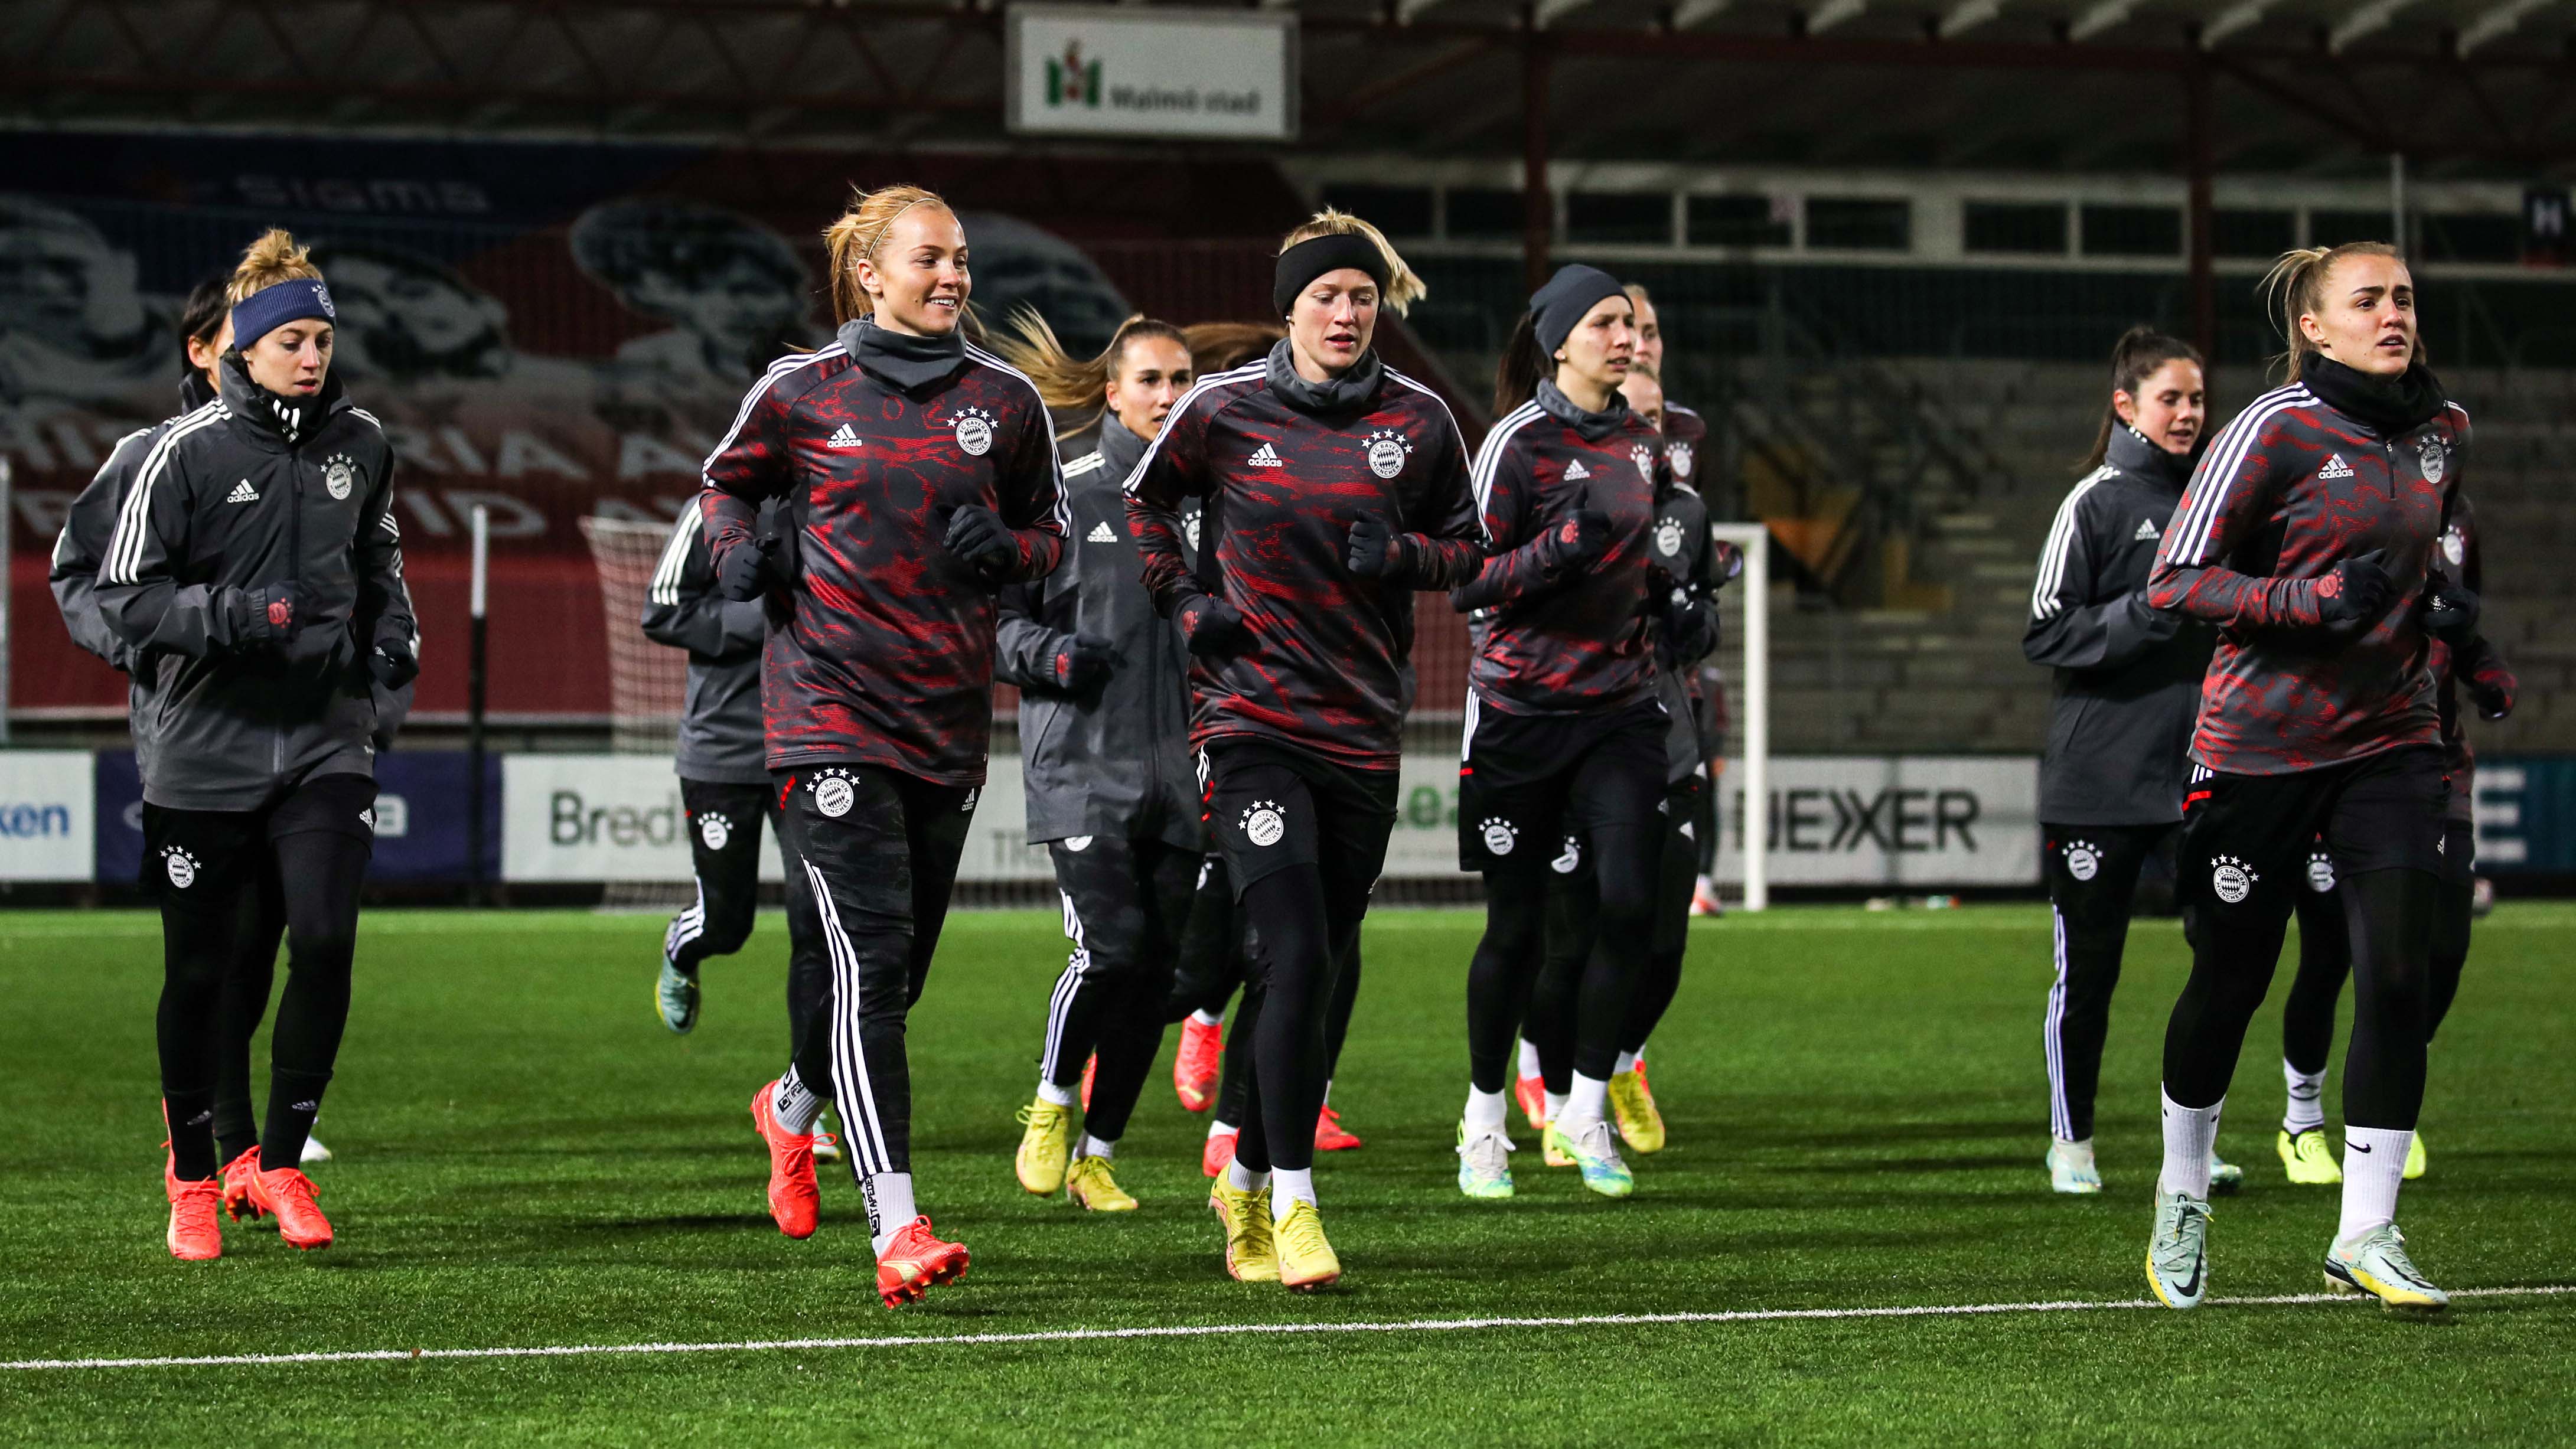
[[1753, 821]]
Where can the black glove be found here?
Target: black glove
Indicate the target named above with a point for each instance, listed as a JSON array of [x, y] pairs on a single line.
[[1213, 628], [263, 618], [751, 569], [1690, 631], [2358, 589], [2492, 686], [1376, 551], [1082, 662], [393, 664], [780, 538], [2450, 611], [2161, 624], [980, 537], [1575, 540]]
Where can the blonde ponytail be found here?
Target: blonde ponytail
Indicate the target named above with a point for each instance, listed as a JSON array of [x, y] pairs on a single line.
[[272, 259], [857, 236], [1403, 286], [2296, 287]]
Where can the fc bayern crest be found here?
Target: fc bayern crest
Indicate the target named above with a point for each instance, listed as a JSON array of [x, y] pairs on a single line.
[[1680, 453], [2435, 461], [2321, 876], [975, 432], [2082, 861], [715, 830], [1500, 836], [340, 476], [2454, 547], [1668, 536], [1386, 453], [834, 794], [182, 868], [1644, 458], [1568, 860], [1263, 825], [2232, 879]]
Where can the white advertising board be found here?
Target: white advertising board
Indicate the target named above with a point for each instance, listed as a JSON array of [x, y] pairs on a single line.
[[1194, 74], [1851, 820], [599, 817], [48, 815]]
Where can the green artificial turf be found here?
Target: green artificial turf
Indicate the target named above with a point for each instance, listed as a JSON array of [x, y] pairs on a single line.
[[1857, 1112]]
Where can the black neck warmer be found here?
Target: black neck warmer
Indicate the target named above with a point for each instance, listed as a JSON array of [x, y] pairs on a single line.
[[2132, 453], [1354, 388], [1592, 426], [2389, 406], [1119, 448], [902, 359], [288, 419]]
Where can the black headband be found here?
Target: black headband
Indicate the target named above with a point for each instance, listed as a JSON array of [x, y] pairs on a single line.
[[1315, 256], [1556, 307]]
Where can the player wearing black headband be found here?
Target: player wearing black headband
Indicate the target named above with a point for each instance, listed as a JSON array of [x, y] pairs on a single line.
[[1333, 487], [256, 574], [1565, 733]]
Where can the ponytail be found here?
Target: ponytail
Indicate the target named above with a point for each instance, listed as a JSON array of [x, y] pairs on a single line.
[[1068, 384], [2134, 359], [1224, 346], [1516, 380], [2296, 287], [856, 237], [1403, 287]]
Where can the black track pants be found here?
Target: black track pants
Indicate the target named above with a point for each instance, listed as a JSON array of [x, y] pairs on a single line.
[[2092, 884], [724, 853], [1126, 908]]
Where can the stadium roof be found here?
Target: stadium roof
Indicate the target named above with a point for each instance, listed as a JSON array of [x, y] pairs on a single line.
[[2484, 87]]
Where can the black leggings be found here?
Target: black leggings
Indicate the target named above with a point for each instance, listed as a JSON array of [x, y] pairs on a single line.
[[1299, 934], [2325, 959], [245, 1004], [1587, 1023]]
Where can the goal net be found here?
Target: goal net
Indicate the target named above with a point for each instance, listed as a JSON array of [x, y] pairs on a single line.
[[648, 683]]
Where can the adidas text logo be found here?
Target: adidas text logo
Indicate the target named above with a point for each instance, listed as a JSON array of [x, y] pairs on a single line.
[[1267, 456], [2335, 467], [842, 437], [1100, 534], [2146, 530], [242, 493], [1575, 469]]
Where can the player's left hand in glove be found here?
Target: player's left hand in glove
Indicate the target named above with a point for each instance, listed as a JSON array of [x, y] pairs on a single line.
[[1083, 661], [752, 568], [1375, 551], [393, 664], [979, 536], [2450, 611], [1690, 630], [2492, 684]]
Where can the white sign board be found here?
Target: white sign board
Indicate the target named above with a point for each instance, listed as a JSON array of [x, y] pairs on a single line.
[[600, 817], [48, 815], [1195, 74], [1891, 820]]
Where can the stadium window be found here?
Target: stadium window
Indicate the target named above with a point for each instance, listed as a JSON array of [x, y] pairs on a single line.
[[2334, 228], [1620, 218], [1484, 213], [1860, 223], [2132, 231], [2034, 229], [2264, 234], [1396, 210], [1735, 221], [2455, 236]]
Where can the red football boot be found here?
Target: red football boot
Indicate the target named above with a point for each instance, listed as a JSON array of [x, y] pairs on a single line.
[[194, 1234], [1531, 1092], [794, 1201], [288, 1193], [236, 1180], [1090, 1069], [1329, 1136], [915, 1262], [1218, 1153], [1202, 1056]]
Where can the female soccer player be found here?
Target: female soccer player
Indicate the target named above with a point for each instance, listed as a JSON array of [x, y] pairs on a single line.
[[1333, 486], [2325, 953], [2310, 534], [2127, 683], [257, 565], [1565, 734], [920, 476], [1104, 725], [725, 791]]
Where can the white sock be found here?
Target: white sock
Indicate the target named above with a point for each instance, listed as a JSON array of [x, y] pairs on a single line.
[[1288, 1187], [1706, 884], [1588, 1102], [1094, 1147], [2190, 1133], [2307, 1095], [794, 1104], [890, 1209], [2374, 1165], [1529, 1058], [1221, 1129], [1555, 1106], [2079, 1152], [1051, 1093], [1627, 1063], [1328, 1091], [1205, 1017], [1242, 1179], [1484, 1113]]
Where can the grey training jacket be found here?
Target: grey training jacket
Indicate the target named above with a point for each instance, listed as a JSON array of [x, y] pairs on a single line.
[[2128, 676], [722, 739], [1116, 759], [249, 491]]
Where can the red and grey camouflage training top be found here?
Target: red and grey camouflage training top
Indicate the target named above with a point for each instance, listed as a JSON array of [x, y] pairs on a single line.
[[888, 656], [1570, 640], [2288, 491], [1282, 488]]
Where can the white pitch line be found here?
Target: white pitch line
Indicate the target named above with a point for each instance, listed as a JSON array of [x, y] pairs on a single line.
[[1204, 1330]]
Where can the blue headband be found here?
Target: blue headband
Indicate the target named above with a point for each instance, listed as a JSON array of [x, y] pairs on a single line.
[[269, 308]]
